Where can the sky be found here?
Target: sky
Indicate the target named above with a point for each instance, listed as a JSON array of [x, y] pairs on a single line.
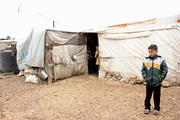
[[78, 15]]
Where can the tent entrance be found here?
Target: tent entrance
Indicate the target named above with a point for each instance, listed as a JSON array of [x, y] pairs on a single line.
[[92, 43]]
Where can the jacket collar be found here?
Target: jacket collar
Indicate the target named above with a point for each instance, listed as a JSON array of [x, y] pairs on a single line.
[[153, 57]]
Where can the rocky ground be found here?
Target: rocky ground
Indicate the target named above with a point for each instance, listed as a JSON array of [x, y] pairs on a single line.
[[81, 98]]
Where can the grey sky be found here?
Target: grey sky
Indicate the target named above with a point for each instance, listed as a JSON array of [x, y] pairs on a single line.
[[79, 14]]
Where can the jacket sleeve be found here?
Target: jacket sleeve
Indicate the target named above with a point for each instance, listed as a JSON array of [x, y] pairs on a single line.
[[143, 71], [164, 70]]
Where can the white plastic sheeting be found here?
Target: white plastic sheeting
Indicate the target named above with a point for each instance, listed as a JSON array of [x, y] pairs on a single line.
[[148, 25], [65, 66], [123, 36], [63, 54], [60, 37], [69, 56], [125, 53], [31, 50]]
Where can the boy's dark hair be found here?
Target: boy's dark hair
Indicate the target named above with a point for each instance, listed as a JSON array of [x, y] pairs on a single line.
[[153, 47]]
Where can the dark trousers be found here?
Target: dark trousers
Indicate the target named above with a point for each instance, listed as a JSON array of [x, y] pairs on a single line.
[[90, 67], [157, 93]]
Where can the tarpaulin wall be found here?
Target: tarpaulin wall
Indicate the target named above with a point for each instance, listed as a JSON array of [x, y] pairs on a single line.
[[124, 50], [30, 51], [66, 53]]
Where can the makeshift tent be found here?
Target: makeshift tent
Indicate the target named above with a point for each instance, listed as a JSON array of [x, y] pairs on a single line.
[[61, 54], [122, 49]]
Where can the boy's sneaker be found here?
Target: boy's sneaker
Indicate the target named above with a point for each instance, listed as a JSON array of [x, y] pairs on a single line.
[[146, 111], [156, 112]]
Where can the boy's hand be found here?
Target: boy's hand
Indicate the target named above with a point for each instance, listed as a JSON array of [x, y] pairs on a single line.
[[143, 80], [160, 78]]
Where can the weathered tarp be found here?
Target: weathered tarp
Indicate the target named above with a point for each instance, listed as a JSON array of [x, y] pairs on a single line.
[[30, 51], [64, 65], [68, 53], [60, 37], [124, 49]]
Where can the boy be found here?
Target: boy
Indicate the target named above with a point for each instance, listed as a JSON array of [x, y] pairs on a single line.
[[154, 71]]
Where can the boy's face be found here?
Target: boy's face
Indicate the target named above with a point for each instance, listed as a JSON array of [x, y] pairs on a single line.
[[152, 52]]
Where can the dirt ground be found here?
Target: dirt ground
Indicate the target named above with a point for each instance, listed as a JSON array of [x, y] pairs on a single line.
[[81, 98]]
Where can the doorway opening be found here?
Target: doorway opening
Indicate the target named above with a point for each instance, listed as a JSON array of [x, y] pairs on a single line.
[[92, 54]]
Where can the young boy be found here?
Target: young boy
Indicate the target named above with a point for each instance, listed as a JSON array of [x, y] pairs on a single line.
[[154, 71]]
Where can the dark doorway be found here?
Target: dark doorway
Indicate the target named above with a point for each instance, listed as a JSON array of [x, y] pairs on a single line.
[[92, 42]]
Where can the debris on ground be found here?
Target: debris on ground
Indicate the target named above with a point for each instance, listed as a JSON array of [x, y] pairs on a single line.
[[166, 84], [116, 76], [133, 80]]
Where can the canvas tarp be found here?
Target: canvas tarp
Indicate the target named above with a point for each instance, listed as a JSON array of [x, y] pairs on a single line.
[[69, 55], [60, 37], [30, 51], [65, 38], [64, 65], [124, 51]]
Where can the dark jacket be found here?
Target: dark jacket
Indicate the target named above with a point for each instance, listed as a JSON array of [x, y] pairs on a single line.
[[154, 70]]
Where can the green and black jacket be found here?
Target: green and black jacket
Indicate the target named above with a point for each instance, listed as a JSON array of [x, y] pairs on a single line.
[[154, 70]]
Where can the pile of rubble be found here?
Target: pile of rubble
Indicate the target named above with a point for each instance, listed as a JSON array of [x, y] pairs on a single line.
[[116, 76], [133, 80], [169, 84]]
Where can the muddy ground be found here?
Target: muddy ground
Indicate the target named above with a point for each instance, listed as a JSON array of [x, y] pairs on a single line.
[[81, 98]]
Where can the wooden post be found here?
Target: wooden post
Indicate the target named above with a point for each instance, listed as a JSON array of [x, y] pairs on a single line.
[[48, 60], [48, 64], [50, 74], [38, 73]]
